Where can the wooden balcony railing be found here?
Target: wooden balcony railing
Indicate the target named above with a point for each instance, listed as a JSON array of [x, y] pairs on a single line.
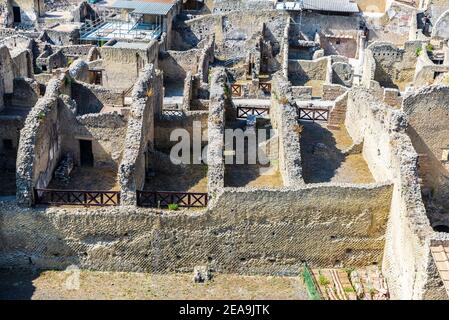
[[77, 197], [161, 199]]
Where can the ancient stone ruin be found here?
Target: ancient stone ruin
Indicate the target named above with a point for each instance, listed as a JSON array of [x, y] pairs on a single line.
[[176, 137]]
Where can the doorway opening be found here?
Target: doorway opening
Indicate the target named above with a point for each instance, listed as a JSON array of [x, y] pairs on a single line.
[[86, 154], [16, 14]]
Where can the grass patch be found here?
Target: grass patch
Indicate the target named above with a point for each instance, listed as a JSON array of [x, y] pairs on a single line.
[[173, 206], [323, 280]]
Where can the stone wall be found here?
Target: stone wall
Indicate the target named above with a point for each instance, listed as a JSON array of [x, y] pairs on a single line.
[[55, 124], [427, 72], [165, 124], [333, 91], [40, 145], [302, 71], [176, 64], [122, 66], [92, 98], [284, 119], [216, 127], [246, 231], [427, 115], [220, 6], [233, 34], [301, 92], [26, 92], [390, 155], [441, 28], [147, 101], [393, 67], [106, 131], [10, 127]]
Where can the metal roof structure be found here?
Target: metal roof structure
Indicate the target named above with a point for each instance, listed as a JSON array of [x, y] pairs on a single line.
[[154, 8], [346, 6]]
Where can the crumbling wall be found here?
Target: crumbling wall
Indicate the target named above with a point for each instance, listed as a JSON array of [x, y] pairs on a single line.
[[122, 66], [91, 98], [389, 154], [10, 127], [394, 67], [284, 119], [79, 70], [342, 73], [176, 64], [220, 6], [26, 92], [233, 34], [427, 111], [246, 231], [6, 69], [302, 71], [441, 28], [333, 91], [105, 130], [29, 10], [165, 124], [427, 72], [147, 101], [216, 126], [40, 145]]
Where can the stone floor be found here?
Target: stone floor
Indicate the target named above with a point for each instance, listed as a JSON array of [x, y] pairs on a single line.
[[323, 160], [189, 178], [255, 176], [87, 178], [126, 285]]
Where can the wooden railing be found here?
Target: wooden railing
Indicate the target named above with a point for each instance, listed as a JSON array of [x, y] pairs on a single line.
[[236, 90], [265, 87], [244, 112], [313, 114], [161, 199], [77, 197]]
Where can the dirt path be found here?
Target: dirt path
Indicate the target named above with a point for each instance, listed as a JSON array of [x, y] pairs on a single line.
[[121, 285]]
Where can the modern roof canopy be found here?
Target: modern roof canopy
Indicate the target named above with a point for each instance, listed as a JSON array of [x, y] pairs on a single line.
[[144, 7], [346, 6]]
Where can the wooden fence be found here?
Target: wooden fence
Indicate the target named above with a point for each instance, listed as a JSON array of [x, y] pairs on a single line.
[[161, 199], [77, 197]]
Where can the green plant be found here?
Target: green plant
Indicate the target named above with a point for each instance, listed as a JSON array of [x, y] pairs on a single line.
[[41, 115], [349, 270], [173, 206], [429, 47], [418, 51], [227, 91], [372, 291], [323, 280], [349, 290]]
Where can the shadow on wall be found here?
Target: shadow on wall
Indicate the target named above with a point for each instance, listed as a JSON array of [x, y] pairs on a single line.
[[435, 176], [86, 100], [186, 39], [320, 156], [173, 71], [384, 78]]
